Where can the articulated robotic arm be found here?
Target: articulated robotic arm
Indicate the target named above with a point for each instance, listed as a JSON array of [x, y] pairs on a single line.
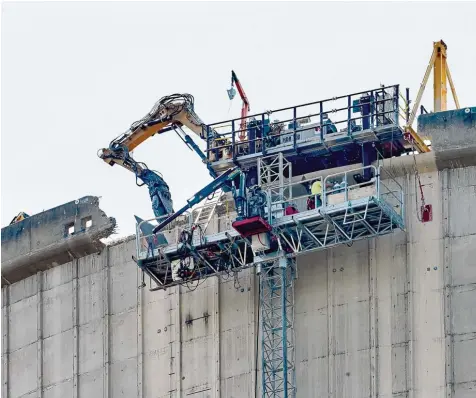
[[169, 113]]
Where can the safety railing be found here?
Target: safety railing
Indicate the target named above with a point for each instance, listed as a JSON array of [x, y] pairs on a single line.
[[391, 191], [147, 242], [294, 197], [349, 185], [348, 114]]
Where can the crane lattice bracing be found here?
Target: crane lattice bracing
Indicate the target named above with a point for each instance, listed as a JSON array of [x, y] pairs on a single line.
[[277, 291], [273, 173], [277, 327]]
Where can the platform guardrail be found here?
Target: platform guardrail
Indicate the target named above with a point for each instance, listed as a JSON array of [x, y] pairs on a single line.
[[313, 121], [339, 190]]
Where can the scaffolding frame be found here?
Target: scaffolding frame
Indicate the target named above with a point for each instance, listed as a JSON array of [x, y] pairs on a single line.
[[272, 169]]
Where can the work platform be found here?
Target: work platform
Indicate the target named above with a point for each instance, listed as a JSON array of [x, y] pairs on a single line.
[[331, 132], [347, 214]]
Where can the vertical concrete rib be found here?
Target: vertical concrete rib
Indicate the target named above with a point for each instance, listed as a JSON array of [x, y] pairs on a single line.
[[410, 214], [216, 334], [75, 330], [253, 326], [140, 336], [39, 334], [106, 340], [330, 322], [448, 283], [373, 327], [170, 328], [178, 343], [5, 341]]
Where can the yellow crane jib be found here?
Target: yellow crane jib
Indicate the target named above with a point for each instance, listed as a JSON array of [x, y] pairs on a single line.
[[441, 74]]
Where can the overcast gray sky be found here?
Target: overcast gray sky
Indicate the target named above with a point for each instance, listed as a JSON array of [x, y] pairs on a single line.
[[76, 75]]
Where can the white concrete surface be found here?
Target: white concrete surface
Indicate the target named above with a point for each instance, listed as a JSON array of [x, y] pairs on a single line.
[[390, 317]]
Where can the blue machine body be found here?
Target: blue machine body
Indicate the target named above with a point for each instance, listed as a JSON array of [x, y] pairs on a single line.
[[256, 131], [158, 191], [227, 178]]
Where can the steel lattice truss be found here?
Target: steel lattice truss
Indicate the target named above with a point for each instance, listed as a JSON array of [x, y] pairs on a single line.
[[271, 172], [308, 231], [277, 327], [360, 219]]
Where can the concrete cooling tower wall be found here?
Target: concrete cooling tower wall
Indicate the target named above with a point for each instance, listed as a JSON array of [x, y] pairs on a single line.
[[388, 317]]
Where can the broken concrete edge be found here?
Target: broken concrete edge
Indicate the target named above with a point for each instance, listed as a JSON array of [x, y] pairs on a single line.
[[111, 242], [54, 237], [453, 143]]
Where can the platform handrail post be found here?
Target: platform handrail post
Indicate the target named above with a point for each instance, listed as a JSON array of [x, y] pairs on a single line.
[[263, 135], [346, 188], [208, 141], [349, 115], [294, 127], [377, 175], [324, 193], [321, 120], [373, 110], [233, 140], [396, 103]]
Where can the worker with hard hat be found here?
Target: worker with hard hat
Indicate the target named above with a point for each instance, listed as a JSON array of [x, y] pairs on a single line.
[[316, 191]]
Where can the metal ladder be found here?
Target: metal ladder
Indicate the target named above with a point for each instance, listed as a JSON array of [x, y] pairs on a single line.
[[207, 211]]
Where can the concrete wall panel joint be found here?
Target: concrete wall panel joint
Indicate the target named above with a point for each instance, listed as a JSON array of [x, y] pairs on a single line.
[[373, 319], [5, 341], [107, 321], [39, 326], [178, 342], [216, 334], [140, 336], [75, 316], [445, 176]]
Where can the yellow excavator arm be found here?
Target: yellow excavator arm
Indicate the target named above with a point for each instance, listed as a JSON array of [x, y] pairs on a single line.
[[169, 112]]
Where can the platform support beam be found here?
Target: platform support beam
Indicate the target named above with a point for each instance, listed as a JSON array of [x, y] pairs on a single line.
[[369, 155], [277, 328]]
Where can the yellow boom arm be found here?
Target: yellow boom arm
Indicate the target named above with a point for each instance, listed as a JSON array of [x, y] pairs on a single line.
[[170, 111]]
